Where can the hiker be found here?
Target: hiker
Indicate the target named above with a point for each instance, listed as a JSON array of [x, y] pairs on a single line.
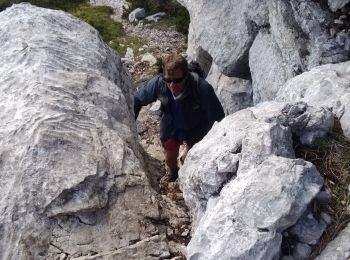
[[189, 108]]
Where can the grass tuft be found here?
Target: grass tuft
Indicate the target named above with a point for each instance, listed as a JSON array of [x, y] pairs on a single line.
[[120, 44], [100, 18], [332, 159]]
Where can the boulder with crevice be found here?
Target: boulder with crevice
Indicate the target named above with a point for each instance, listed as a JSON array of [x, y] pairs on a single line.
[[276, 38], [296, 41]]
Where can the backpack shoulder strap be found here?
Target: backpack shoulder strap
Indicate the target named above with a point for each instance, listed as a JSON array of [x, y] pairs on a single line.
[[195, 89]]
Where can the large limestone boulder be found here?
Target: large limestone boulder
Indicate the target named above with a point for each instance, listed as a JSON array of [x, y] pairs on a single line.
[[250, 188], [72, 179], [327, 86]]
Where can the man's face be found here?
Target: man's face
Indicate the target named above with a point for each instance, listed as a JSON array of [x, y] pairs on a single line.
[[175, 80]]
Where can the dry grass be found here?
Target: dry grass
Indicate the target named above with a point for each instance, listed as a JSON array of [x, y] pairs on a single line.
[[332, 159]]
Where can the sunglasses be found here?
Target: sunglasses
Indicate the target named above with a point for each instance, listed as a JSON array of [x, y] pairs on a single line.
[[174, 81]]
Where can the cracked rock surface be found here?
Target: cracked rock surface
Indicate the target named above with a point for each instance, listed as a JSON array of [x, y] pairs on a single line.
[[250, 188]]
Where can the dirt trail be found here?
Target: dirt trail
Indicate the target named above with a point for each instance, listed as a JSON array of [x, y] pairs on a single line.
[[178, 222]]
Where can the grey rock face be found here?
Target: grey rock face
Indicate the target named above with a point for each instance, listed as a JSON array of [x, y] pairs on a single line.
[[234, 93], [277, 39], [268, 70], [226, 40], [249, 188], [326, 86], [72, 179], [339, 248], [334, 5], [296, 41]]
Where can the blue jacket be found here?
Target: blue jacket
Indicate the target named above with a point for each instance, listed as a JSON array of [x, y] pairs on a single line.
[[188, 118]]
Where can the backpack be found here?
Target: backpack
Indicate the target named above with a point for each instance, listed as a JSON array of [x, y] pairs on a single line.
[[194, 66]]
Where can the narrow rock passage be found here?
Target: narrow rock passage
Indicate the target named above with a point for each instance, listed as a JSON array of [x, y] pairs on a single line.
[[177, 221]]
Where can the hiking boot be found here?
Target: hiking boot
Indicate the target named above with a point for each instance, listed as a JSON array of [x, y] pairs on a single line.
[[170, 175]]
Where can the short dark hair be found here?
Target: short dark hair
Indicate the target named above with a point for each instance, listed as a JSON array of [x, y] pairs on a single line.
[[174, 61]]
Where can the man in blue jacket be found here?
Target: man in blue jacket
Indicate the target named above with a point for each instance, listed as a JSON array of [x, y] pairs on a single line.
[[189, 108]]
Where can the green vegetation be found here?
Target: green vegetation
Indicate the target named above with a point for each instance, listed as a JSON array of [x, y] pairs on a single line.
[[120, 44], [53, 4], [100, 18], [111, 31], [332, 159]]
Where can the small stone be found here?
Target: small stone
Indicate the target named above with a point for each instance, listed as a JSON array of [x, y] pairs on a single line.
[[62, 256], [185, 233], [170, 231], [148, 57], [302, 251], [347, 48], [326, 217], [155, 106], [337, 21], [341, 38], [323, 197], [332, 32]]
